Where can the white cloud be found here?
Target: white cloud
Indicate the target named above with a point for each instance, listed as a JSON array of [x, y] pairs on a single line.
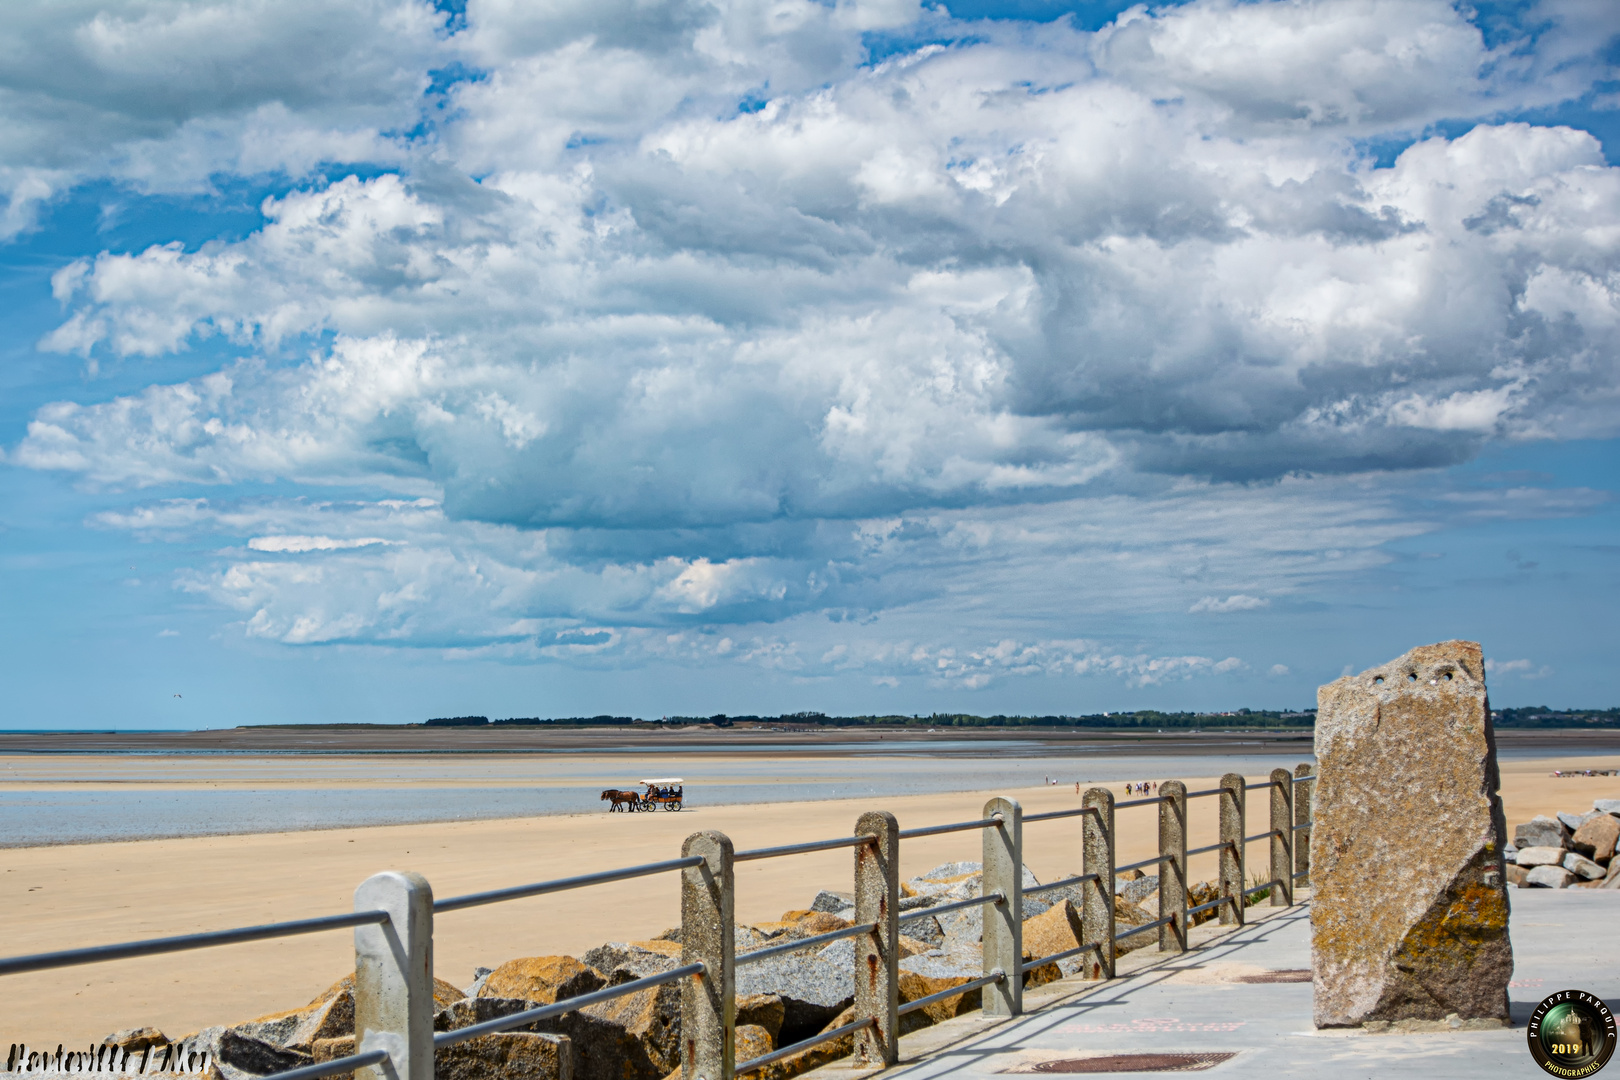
[[1278, 670], [1235, 602], [310, 543], [1524, 669], [681, 317]]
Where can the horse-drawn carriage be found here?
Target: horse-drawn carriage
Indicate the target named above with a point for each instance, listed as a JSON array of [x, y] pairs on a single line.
[[665, 792]]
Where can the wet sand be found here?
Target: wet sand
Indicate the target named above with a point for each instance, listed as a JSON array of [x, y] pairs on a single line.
[[63, 896]]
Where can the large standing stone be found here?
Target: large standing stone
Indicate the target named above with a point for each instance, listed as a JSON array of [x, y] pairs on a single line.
[[1409, 909]]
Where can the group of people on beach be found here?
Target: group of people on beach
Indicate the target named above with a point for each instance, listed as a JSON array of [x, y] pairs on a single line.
[[1146, 787]]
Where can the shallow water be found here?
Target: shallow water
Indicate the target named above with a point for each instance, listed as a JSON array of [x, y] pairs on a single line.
[[94, 798]]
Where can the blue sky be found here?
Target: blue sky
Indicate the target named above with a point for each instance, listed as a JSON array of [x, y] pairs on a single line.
[[377, 360]]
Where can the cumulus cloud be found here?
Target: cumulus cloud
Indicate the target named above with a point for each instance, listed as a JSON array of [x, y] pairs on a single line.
[[703, 316], [1524, 669], [310, 543], [1235, 602]]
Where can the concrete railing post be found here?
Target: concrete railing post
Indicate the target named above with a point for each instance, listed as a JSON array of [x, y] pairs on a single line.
[[1003, 923], [1097, 912], [708, 1001], [393, 977], [1302, 817], [877, 955], [1232, 884], [1282, 838], [1173, 866]]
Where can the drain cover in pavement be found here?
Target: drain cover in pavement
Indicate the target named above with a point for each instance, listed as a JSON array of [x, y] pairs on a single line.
[[1135, 1063], [1286, 975]]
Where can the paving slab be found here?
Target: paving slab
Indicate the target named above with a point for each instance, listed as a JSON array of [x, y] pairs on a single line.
[[1247, 992]]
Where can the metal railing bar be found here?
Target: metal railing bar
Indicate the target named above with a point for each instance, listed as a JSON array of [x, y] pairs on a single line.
[[1217, 902], [958, 905], [1206, 791], [1302, 779], [803, 943], [960, 826], [1055, 957], [1138, 865], [1209, 847], [1262, 885], [518, 892], [1083, 878], [1303, 825], [814, 1040], [968, 987], [1268, 834], [1151, 800], [1053, 815], [545, 1012], [1154, 925], [16, 965], [1301, 873], [1256, 787], [800, 849], [333, 1067]]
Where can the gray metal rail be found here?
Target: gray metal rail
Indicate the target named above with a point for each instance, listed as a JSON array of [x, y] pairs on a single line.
[[1262, 885], [1154, 925], [960, 826], [757, 955], [1031, 965], [1215, 903], [800, 849], [996, 976], [800, 1047], [1053, 815], [16, 965], [957, 905], [1151, 800], [567, 1005], [335, 1067], [1154, 861], [1206, 791], [1217, 845], [1065, 883], [518, 892]]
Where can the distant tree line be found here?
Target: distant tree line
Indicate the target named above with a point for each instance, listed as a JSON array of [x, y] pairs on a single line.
[[1140, 720], [1539, 716]]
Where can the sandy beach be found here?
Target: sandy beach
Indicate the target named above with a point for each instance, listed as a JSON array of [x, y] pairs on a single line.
[[87, 894]]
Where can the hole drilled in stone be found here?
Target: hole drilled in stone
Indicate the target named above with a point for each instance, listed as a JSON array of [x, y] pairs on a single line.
[[1378, 680], [1411, 676]]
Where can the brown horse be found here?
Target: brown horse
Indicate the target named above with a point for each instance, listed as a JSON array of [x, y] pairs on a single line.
[[628, 801]]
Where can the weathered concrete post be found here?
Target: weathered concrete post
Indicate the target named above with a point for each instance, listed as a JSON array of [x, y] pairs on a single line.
[[877, 955], [1409, 909], [1282, 838], [1097, 912], [1232, 885], [1173, 866], [1003, 923], [1302, 823], [393, 976], [708, 1001]]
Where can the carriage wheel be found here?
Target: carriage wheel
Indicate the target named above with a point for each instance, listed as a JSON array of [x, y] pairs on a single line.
[[672, 806]]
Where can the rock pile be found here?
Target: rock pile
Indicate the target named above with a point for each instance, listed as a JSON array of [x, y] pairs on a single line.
[[780, 1001], [1569, 851]]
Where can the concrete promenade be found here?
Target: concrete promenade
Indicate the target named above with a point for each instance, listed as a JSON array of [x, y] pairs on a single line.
[[1200, 1001]]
